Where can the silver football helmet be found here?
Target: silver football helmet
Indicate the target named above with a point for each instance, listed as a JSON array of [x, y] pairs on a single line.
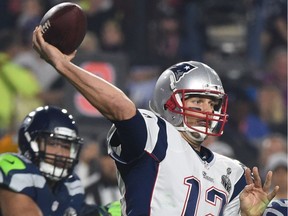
[[181, 81]]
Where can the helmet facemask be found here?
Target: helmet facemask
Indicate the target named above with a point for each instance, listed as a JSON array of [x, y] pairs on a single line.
[[56, 165], [208, 123]]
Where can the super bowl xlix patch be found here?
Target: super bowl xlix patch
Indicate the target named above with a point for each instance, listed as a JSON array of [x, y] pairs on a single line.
[[226, 181]]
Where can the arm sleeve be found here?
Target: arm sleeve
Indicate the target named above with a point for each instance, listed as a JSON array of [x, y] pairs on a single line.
[[144, 133], [127, 139]]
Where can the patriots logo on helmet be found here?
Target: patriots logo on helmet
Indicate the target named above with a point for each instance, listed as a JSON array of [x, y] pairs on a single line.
[[181, 69]]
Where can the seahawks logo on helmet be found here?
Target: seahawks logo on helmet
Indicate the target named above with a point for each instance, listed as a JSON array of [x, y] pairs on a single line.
[[181, 69]]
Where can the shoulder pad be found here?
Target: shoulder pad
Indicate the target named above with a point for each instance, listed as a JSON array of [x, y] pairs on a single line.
[[9, 162]]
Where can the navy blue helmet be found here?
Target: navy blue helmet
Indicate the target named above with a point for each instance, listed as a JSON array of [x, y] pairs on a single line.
[[50, 126]]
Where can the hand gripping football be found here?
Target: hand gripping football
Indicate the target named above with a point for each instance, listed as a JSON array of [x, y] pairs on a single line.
[[64, 26]]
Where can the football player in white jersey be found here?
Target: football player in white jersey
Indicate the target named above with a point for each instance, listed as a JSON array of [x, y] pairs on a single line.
[[162, 167]]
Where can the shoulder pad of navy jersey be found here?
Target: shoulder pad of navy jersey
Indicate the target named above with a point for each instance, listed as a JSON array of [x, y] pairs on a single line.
[[9, 162]]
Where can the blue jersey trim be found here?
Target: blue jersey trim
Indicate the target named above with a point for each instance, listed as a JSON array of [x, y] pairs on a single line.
[[162, 143], [138, 199], [239, 186]]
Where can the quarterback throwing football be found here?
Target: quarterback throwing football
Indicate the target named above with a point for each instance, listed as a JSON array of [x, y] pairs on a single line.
[[162, 167]]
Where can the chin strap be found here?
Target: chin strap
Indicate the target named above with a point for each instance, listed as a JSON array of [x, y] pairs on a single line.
[[194, 135]]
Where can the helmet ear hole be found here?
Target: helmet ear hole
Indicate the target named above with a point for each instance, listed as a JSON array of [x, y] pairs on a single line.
[[170, 104]]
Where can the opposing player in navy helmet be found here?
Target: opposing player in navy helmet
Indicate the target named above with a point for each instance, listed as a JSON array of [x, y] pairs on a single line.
[[41, 179], [163, 169], [41, 131]]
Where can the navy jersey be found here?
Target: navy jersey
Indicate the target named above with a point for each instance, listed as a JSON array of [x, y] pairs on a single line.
[[20, 175], [277, 207], [159, 173]]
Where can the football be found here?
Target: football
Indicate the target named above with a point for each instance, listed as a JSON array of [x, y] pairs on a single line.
[[64, 26]]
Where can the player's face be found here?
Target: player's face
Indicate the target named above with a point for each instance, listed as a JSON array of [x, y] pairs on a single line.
[[56, 148], [199, 104]]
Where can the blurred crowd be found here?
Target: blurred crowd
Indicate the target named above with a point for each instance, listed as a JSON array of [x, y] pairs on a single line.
[[245, 41]]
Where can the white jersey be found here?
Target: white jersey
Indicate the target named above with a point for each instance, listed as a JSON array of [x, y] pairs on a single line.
[[161, 174]]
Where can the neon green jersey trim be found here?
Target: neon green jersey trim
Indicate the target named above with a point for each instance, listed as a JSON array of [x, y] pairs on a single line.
[[114, 208], [10, 162]]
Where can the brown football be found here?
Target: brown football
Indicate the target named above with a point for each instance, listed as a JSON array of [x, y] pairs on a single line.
[[64, 26]]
